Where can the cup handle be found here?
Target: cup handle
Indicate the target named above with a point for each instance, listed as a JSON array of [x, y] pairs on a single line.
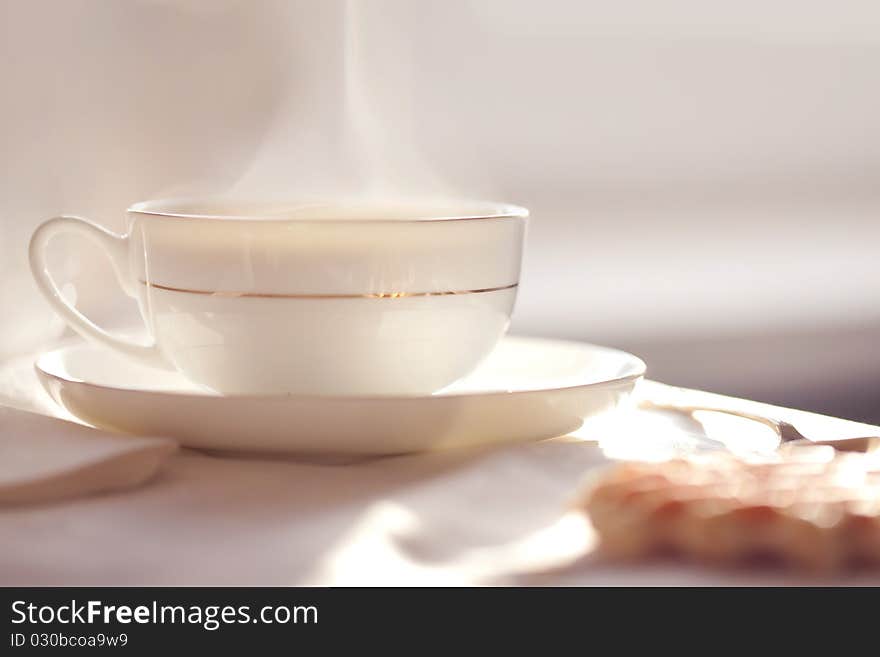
[[116, 247]]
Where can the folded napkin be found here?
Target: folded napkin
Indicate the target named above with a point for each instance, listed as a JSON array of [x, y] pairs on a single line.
[[44, 458]]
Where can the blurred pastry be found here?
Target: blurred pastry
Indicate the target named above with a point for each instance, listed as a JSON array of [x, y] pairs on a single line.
[[808, 506]]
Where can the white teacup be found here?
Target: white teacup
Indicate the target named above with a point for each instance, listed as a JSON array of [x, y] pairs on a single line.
[[259, 298]]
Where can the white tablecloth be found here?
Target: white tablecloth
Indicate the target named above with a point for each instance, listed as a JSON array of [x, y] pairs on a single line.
[[494, 516]]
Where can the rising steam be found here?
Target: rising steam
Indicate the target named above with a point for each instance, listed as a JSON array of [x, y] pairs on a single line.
[[345, 130]]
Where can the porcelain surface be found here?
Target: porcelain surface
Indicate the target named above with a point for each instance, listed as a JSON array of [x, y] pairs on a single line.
[[272, 299], [527, 389]]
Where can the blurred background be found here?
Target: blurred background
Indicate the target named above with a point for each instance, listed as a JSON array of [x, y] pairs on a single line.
[[703, 175]]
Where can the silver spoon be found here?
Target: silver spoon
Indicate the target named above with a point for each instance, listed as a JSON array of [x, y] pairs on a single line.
[[787, 432]]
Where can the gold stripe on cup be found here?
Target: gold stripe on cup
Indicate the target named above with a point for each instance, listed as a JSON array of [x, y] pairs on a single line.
[[376, 295]]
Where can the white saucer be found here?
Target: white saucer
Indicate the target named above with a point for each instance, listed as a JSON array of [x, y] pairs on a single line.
[[528, 389]]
